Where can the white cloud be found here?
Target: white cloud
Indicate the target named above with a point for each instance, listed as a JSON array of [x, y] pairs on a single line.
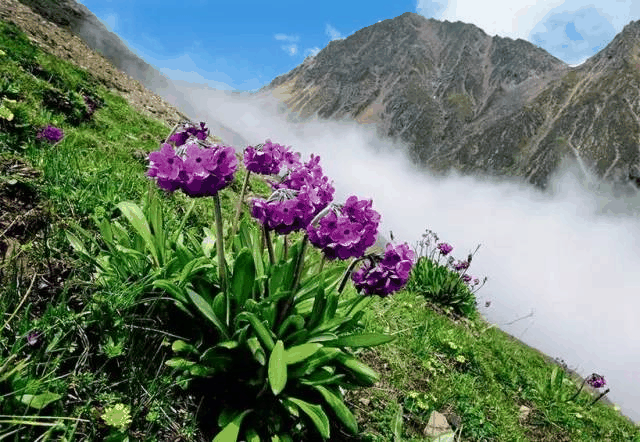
[[285, 37], [333, 33], [524, 18], [311, 51], [291, 49]]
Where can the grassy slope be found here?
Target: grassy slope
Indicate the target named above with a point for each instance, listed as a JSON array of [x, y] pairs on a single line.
[[101, 346]]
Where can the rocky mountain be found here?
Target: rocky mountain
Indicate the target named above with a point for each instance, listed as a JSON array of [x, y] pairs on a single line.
[[480, 104]]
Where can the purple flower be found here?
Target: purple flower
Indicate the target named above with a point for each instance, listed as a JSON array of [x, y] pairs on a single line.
[[466, 278], [445, 248], [345, 231], [596, 381], [461, 265], [197, 171], [389, 275], [51, 133], [269, 158], [33, 337], [189, 130]]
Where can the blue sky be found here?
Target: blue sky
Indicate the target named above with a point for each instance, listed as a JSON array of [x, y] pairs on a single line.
[[245, 45]]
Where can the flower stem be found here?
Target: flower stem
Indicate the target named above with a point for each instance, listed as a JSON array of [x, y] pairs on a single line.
[[267, 238], [599, 397], [217, 211], [240, 201], [296, 280], [347, 273], [285, 247], [578, 392]]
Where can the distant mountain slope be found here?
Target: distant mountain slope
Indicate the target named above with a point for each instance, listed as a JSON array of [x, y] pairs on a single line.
[[462, 99]]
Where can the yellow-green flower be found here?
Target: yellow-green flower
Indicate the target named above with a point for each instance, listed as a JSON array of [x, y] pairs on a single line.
[[117, 416]]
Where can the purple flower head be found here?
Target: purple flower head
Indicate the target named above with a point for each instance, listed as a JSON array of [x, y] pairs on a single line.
[[445, 248], [33, 337], [189, 130], [596, 381], [285, 211], [466, 278], [345, 231], [198, 171], [461, 265], [390, 274], [51, 133]]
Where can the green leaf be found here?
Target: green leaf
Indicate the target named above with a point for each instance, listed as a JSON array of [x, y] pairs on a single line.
[[362, 373], [261, 331], [339, 408], [363, 340], [207, 311], [277, 369], [251, 435], [295, 321], [220, 305], [155, 215], [179, 363], [172, 289], [319, 304], [135, 216], [244, 275], [315, 412], [299, 353], [232, 430], [256, 350], [39, 401], [181, 346], [396, 425]]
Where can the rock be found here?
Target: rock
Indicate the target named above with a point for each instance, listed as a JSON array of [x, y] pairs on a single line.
[[437, 425], [524, 412]]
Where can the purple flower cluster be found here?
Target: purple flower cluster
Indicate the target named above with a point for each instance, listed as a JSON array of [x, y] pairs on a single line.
[[188, 130], [461, 265], [268, 158], [198, 172], [596, 381], [389, 275], [51, 133], [297, 199], [347, 234], [445, 248], [285, 211]]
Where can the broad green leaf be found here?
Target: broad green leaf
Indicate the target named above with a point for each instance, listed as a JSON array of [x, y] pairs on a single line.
[[362, 373], [39, 401], [331, 307], [320, 358], [363, 340], [179, 363], [315, 412], [299, 353], [339, 408], [207, 311], [201, 371], [295, 321], [277, 368], [244, 275], [319, 305], [324, 337], [220, 305], [256, 350], [135, 216], [251, 435], [155, 215], [232, 430], [396, 425], [172, 289], [181, 346], [261, 331]]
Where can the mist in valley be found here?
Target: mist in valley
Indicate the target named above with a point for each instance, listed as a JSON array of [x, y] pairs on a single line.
[[562, 265]]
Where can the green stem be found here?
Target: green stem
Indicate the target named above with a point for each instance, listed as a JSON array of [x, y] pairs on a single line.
[[245, 184], [599, 397], [267, 239], [217, 211], [578, 392], [347, 273], [296, 280], [285, 247]]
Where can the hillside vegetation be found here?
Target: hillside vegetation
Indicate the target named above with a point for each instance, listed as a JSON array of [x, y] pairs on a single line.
[[87, 331]]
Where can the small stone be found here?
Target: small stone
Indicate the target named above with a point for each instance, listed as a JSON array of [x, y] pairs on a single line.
[[364, 401], [437, 425], [524, 412]]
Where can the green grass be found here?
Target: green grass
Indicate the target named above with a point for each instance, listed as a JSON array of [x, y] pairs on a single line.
[[104, 345]]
